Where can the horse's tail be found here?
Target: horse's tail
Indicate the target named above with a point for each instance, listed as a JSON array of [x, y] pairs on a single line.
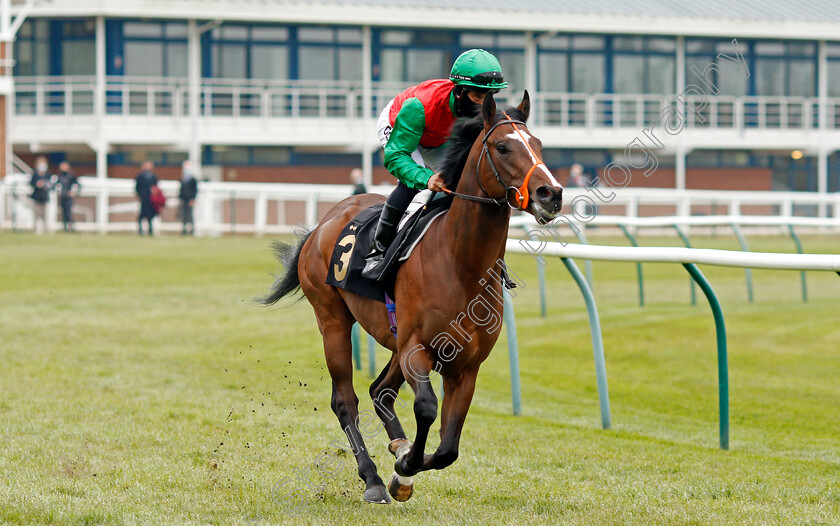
[[288, 282]]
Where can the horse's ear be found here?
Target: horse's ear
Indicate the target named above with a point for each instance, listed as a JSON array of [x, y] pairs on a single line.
[[488, 110], [525, 105]]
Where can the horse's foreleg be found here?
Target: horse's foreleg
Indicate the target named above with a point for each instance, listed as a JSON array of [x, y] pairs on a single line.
[[458, 393], [384, 391], [345, 405], [416, 366]]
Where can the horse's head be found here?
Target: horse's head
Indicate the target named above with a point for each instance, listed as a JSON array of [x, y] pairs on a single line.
[[511, 159]]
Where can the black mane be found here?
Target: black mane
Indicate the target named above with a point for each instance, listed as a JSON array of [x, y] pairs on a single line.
[[463, 136]]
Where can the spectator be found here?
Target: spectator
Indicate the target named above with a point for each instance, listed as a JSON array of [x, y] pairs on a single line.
[[69, 184], [576, 177], [145, 180], [358, 182], [41, 182], [189, 189]]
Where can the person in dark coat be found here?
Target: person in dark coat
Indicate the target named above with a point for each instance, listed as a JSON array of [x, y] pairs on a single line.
[[69, 185], [358, 181], [187, 194], [145, 180], [41, 183]]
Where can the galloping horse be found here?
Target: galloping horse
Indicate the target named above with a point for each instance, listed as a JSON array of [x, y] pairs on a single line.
[[448, 294]]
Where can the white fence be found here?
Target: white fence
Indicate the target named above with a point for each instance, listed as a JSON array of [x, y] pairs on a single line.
[[110, 205]]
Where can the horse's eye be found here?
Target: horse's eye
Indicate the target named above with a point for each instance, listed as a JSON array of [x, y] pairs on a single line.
[[501, 148]]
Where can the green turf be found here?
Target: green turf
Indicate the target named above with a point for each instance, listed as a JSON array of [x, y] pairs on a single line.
[[140, 385]]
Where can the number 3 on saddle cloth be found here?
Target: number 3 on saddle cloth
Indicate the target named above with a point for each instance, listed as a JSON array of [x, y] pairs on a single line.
[[348, 257]]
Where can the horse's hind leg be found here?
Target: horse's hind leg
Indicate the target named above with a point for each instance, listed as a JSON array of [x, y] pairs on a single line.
[[384, 391], [335, 329]]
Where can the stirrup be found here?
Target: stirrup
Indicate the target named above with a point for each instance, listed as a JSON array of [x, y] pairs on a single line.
[[372, 262]]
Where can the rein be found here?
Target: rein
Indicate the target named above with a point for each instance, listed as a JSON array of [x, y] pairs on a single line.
[[521, 197]]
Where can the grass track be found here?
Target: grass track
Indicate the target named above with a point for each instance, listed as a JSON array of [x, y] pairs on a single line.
[[139, 385]]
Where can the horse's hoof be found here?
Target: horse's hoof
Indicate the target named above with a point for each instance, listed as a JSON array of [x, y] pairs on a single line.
[[377, 495], [399, 447], [401, 488]]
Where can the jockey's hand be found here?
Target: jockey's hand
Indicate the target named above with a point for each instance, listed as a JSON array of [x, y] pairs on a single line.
[[435, 183]]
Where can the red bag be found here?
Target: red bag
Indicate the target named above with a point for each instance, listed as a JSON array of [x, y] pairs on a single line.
[[158, 199]]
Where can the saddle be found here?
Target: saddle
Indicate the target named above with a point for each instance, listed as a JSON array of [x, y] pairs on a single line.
[[348, 259]]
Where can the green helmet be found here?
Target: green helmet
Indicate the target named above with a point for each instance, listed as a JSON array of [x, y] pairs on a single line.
[[479, 69]]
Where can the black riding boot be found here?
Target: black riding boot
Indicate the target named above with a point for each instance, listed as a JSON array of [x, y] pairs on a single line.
[[386, 230]]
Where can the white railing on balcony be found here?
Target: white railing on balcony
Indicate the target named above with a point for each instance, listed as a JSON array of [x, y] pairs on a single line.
[[131, 96], [110, 205]]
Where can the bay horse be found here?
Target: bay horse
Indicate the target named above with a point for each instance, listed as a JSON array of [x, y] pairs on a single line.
[[445, 293]]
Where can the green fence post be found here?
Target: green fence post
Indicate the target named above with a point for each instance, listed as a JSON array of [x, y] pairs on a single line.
[[357, 351], [597, 341], [687, 244], [540, 276], [723, 367], [802, 272], [371, 356], [513, 354], [633, 242], [747, 271], [587, 264]]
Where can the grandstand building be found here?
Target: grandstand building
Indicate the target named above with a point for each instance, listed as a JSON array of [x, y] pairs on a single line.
[[702, 94]]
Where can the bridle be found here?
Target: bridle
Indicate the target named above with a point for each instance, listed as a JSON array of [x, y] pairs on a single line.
[[521, 197]]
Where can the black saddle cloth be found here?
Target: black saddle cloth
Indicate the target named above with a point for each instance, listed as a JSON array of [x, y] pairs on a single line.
[[355, 240]]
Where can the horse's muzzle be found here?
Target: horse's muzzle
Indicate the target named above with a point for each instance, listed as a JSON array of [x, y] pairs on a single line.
[[550, 199]]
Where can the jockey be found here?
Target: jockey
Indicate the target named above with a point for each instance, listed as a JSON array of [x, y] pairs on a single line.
[[415, 125]]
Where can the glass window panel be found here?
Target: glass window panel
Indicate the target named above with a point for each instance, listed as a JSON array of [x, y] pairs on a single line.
[[316, 63], [23, 58], [732, 80], [391, 66], [662, 45], [176, 30], [513, 67], [396, 38], [769, 48], [142, 29], [143, 59], [661, 72], [556, 42], [42, 29], [25, 29], [832, 49], [77, 57], [627, 43], [696, 45], [79, 28], [770, 77], [229, 60], [801, 78], [553, 72], [512, 40], [349, 36], [349, 64], [728, 48], [42, 58], [433, 38], [269, 62], [476, 40], [834, 78], [177, 63], [234, 32], [588, 43], [629, 74], [316, 34], [270, 33], [424, 64], [272, 155], [231, 154], [804, 49], [588, 73]]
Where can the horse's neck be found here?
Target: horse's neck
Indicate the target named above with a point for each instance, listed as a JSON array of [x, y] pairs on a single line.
[[475, 231]]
